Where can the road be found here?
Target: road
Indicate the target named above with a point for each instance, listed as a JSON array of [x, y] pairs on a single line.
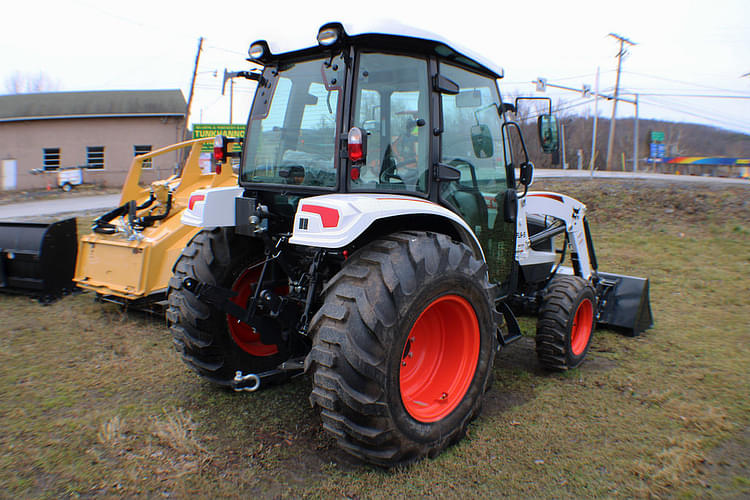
[[106, 202], [59, 206], [687, 179]]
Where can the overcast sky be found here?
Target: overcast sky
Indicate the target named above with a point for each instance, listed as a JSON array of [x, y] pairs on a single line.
[[683, 47]]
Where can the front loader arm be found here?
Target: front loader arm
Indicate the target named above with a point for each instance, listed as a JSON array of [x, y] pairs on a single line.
[[572, 213]]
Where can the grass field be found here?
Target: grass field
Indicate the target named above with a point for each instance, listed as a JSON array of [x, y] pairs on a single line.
[[95, 402]]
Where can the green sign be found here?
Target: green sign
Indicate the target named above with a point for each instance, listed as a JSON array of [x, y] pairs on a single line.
[[657, 136], [213, 129]]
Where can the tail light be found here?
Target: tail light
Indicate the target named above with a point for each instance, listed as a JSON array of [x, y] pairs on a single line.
[[219, 148], [220, 152], [357, 145]]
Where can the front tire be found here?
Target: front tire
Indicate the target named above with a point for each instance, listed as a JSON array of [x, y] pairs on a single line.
[[403, 348], [566, 323], [211, 342]]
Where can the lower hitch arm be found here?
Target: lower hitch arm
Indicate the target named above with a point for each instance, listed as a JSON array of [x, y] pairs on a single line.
[[253, 381]]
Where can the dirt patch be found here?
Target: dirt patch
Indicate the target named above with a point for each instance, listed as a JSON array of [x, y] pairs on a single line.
[[726, 470]]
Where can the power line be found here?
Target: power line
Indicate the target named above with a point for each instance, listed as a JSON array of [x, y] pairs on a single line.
[[706, 96], [230, 51], [680, 81], [697, 115]]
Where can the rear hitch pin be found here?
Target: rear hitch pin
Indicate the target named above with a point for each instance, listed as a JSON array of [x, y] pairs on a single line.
[[239, 378]]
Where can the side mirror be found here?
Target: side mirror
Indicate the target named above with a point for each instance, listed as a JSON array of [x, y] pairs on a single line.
[[548, 133], [526, 175], [481, 141]]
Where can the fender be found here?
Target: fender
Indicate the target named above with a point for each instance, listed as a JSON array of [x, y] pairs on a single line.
[[336, 220], [560, 206], [213, 207]]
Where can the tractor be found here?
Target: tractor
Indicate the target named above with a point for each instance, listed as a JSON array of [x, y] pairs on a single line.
[[379, 239]]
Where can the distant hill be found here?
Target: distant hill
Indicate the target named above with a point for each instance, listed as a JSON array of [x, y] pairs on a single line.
[[680, 139]]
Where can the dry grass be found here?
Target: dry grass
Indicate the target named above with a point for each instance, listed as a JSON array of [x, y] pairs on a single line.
[[176, 429], [96, 403], [111, 432]]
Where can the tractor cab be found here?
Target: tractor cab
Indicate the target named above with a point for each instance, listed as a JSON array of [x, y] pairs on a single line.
[[425, 122]]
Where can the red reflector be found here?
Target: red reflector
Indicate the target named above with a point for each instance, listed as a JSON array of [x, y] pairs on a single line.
[[219, 154], [218, 169], [195, 199], [329, 216], [355, 152], [354, 173]]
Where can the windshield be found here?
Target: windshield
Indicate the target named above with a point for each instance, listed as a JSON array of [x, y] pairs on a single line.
[[291, 136]]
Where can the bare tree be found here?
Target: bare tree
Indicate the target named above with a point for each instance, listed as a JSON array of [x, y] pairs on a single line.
[[27, 83]]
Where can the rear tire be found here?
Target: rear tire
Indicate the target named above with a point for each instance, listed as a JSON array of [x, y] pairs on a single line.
[[566, 323], [201, 333], [403, 348]]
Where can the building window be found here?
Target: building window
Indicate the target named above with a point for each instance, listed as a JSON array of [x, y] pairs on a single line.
[[51, 158], [95, 157], [141, 149]]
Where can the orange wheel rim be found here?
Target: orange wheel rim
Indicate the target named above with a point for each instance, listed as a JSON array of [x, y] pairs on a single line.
[[243, 334], [580, 332], [439, 358]]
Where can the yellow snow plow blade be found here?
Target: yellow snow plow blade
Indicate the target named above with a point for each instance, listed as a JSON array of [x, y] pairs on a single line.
[[132, 250]]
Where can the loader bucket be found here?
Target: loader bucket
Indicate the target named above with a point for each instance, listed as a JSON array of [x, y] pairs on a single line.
[[624, 303], [38, 259]]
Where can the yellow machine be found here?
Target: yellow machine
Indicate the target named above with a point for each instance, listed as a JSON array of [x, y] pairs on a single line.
[[129, 256]]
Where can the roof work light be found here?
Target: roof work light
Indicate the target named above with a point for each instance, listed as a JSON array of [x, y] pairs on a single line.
[[259, 50], [330, 34]]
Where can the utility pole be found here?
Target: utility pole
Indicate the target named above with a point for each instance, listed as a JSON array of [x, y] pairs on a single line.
[[635, 137], [192, 89], [231, 99], [621, 53], [596, 119], [230, 75], [183, 153]]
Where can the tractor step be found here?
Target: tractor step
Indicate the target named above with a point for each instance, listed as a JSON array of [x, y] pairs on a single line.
[[505, 317]]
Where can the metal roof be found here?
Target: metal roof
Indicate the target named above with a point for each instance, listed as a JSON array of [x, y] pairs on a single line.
[[97, 104]]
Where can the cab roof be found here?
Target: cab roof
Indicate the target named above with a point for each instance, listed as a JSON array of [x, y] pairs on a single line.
[[393, 35]]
